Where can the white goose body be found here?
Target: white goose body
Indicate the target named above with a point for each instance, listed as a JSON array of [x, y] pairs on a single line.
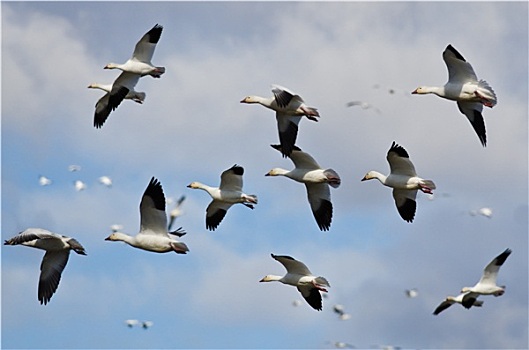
[[57, 249], [153, 235], [464, 87], [487, 283], [404, 181], [316, 180], [289, 108], [228, 193], [136, 96], [298, 275]]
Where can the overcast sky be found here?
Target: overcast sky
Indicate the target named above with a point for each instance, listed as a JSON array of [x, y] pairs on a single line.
[[192, 127]]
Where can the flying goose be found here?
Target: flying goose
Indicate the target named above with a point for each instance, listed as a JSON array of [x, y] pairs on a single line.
[[298, 275], [450, 300], [228, 193], [176, 212], [464, 87], [404, 181], [316, 180], [153, 235], [290, 108], [57, 249], [487, 283]]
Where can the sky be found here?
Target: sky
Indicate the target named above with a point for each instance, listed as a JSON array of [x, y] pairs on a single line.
[[192, 127]]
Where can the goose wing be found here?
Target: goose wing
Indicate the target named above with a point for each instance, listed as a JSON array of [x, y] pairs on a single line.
[[319, 196], [405, 202], [472, 110], [443, 306], [312, 296], [51, 268], [231, 179], [459, 70], [490, 273], [152, 209], [215, 212], [144, 49], [399, 161], [292, 265], [287, 127], [285, 97]]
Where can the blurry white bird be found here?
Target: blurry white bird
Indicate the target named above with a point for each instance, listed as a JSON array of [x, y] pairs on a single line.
[[228, 193], [290, 108], [176, 212], [296, 302], [450, 300], [44, 181], [57, 249], [487, 212], [404, 181], [342, 345], [363, 105], [153, 235], [298, 275], [131, 323], [74, 167], [463, 86], [105, 180], [79, 185], [487, 283], [316, 180], [339, 310], [147, 324], [412, 293], [116, 227]]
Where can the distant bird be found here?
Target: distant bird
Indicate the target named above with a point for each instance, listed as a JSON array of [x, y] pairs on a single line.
[[131, 323], [153, 235], [57, 249], [74, 167], [412, 293], [363, 105], [487, 283], [290, 108], [342, 345], [147, 324], [298, 275], [339, 310], [176, 212], [105, 180], [404, 181], [116, 227], [450, 300], [487, 212], [228, 193], [79, 185], [136, 67], [316, 180], [463, 86], [44, 181], [296, 303], [103, 107]]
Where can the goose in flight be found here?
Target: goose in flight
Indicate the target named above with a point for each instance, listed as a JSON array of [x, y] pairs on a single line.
[[289, 108], [450, 300], [103, 106], [176, 212], [153, 235], [57, 249], [228, 193], [487, 283], [404, 181], [464, 87], [316, 180], [298, 275]]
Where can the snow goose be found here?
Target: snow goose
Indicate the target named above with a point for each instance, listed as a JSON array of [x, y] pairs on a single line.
[[487, 283], [404, 181], [57, 249], [74, 167], [289, 108], [110, 101], [140, 62], [44, 181], [487, 212], [153, 235], [228, 193], [450, 300], [176, 211], [463, 86], [131, 323], [411, 293], [79, 185], [298, 275], [147, 324], [316, 180], [105, 180], [363, 105], [340, 311]]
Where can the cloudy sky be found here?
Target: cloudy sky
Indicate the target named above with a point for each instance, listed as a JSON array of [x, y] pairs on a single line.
[[192, 127]]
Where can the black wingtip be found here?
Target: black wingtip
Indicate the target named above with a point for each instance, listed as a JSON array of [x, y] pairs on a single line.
[[237, 169], [500, 259], [401, 152], [213, 221], [407, 210], [323, 215], [155, 191], [155, 33], [455, 52]]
